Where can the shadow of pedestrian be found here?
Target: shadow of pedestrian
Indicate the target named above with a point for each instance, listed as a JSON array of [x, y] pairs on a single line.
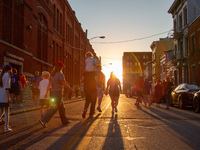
[[114, 136]]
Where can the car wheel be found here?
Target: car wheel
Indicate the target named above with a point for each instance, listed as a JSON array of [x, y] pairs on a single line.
[[181, 103], [196, 105]]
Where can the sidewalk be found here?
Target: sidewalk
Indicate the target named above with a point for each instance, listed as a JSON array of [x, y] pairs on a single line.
[[29, 105]]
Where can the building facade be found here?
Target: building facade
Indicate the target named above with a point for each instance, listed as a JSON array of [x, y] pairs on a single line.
[[194, 51], [36, 34], [134, 64], [184, 12], [158, 49]]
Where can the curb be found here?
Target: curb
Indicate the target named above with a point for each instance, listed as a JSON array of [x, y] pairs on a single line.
[[37, 108]]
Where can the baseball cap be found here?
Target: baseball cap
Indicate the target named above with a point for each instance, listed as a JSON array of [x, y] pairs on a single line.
[[59, 63]]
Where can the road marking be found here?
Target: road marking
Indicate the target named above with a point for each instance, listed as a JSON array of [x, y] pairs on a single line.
[[85, 139]]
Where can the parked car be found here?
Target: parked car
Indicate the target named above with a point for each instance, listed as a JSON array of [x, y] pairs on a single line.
[[183, 95], [196, 102]]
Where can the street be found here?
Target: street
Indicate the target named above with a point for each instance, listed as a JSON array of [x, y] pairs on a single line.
[[132, 127]]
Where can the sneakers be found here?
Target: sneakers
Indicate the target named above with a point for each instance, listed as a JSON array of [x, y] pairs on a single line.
[[7, 130], [42, 123], [99, 109], [115, 108], [84, 113], [91, 117]]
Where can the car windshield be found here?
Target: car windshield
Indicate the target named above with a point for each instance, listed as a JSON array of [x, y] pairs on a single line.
[[191, 86]]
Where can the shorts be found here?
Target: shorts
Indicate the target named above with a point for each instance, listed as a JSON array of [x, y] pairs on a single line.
[[44, 101], [3, 105], [15, 90], [99, 92], [35, 91]]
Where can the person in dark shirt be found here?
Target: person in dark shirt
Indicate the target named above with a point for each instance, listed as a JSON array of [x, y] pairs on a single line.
[[146, 92], [167, 90], [15, 87], [35, 89]]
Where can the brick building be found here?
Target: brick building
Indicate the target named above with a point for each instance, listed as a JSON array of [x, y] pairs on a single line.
[[194, 51], [34, 34], [134, 63]]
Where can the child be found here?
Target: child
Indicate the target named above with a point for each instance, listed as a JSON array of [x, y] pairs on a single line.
[[89, 62], [5, 85], [44, 92]]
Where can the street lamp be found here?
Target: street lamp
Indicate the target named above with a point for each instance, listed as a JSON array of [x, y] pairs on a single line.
[[101, 37]]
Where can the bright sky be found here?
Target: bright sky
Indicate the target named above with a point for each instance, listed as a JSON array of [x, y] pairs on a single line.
[[123, 23]]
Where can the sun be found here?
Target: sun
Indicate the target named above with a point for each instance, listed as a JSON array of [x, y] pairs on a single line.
[[116, 67]]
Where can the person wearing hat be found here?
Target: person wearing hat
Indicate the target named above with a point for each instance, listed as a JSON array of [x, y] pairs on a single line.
[[35, 89], [5, 85], [1, 68], [57, 83]]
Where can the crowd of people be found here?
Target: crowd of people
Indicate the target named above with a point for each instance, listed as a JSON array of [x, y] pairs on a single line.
[[151, 93], [48, 90]]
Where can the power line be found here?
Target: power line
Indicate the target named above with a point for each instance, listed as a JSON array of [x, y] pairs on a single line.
[[137, 39]]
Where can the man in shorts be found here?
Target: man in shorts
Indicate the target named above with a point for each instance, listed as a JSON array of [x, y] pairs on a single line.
[[35, 89]]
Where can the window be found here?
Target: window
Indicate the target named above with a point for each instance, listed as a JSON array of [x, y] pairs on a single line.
[[127, 63], [61, 24], [175, 27], [127, 57], [54, 15], [180, 22], [144, 63], [57, 22], [185, 16], [135, 63], [186, 46], [198, 39], [130, 63], [143, 56], [147, 57], [192, 44]]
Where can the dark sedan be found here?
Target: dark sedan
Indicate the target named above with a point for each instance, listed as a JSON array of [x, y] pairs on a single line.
[[183, 95], [196, 102]]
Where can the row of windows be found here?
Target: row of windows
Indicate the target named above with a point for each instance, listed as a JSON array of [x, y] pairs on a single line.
[[181, 20], [136, 64], [138, 57]]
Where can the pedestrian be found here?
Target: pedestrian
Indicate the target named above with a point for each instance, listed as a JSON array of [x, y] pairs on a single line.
[[77, 89], [23, 84], [89, 78], [1, 68], [44, 98], [100, 84], [15, 88], [57, 83], [82, 90], [158, 92], [147, 92], [138, 89], [167, 91], [5, 85], [114, 87], [35, 90]]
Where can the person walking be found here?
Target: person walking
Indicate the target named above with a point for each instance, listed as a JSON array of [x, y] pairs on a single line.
[[158, 92], [114, 87], [44, 92], [35, 90], [57, 83], [147, 92], [23, 84], [100, 84], [1, 68], [138, 89], [167, 91], [5, 85], [15, 88]]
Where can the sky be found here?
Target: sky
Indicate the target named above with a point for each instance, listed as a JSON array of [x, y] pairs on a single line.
[[128, 26]]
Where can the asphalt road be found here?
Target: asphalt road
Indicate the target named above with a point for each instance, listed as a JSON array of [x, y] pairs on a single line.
[[131, 127]]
